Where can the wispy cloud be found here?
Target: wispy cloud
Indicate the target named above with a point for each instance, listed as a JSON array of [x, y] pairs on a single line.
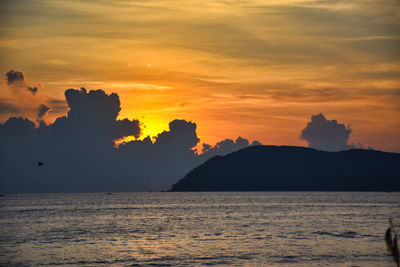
[[142, 86]]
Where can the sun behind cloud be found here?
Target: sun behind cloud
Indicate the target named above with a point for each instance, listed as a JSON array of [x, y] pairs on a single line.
[[261, 68]]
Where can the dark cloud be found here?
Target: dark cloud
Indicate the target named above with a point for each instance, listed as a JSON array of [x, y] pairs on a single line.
[[181, 135], [206, 147], [42, 110], [79, 154], [127, 127], [157, 163], [33, 90], [15, 127], [256, 143], [95, 105], [328, 135], [94, 114], [226, 146], [13, 76]]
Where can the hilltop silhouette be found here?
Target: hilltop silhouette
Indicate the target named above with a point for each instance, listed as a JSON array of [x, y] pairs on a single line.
[[288, 168]]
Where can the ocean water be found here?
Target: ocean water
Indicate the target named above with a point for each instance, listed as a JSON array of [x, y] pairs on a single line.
[[193, 229]]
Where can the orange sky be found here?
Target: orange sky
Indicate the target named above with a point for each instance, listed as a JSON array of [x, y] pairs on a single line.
[[258, 69]]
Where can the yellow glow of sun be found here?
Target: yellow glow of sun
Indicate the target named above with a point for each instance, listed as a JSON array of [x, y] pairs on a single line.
[[147, 129]]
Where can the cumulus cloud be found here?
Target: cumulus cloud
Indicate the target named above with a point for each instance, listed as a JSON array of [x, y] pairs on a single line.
[[42, 110], [226, 146], [25, 100], [95, 105], [328, 135], [92, 117], [160, 161], [94, 113], [181, 135], [13, 76], [79, 154]]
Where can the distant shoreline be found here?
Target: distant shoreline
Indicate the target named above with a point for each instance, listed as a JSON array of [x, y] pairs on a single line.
[[286, 168]]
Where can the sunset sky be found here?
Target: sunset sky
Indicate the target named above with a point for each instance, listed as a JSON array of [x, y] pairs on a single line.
[[258, 69]]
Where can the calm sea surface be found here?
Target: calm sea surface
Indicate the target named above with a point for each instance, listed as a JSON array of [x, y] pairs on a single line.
[[186, 229]]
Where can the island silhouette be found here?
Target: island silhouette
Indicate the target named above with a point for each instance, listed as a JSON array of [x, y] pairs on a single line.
[[289, 168]]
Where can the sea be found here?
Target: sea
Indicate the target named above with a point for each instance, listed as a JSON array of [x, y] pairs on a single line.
[[197, 229]]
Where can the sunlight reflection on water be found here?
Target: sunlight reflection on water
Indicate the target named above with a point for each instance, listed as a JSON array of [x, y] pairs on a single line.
[[229, 228]]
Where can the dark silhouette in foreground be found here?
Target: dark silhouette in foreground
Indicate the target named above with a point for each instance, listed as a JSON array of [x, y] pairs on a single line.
[[391, 240], [286, 168]]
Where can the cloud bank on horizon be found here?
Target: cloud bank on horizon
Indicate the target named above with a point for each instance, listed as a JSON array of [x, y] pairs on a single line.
[[79, 155], [91, 139]]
